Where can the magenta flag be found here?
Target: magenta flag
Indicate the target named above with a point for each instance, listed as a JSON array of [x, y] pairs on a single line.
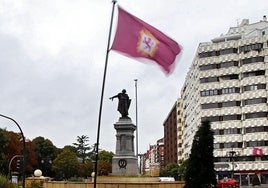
[[257, 152], [137, 39]]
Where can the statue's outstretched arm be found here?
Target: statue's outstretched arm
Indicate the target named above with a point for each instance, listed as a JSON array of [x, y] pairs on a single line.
[[113, 97]]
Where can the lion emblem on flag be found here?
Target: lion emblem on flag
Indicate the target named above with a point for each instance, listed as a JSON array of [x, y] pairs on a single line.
[[147, 43]]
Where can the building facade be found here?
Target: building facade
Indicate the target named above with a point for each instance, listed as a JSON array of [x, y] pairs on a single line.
[[160, 153], [179, 132], [227, 84], [151, 161], [170, 136]]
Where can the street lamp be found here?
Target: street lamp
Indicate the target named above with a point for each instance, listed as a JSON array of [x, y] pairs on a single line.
[[232, 155], [24, 149]]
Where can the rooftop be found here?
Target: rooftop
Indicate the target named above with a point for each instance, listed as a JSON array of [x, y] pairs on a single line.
[[244, 30]]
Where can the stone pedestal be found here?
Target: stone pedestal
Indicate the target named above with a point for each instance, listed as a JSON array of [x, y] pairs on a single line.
[[124, 162]]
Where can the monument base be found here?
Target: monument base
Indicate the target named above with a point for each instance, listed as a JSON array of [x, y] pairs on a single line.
[[125, 166], [124, 162]]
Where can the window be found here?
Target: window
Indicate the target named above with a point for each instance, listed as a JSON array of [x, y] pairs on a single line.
[[220, 105], [210, 105], [217, 53], [208, 54], [228, 51], [256, 115], [246, 158], [254, 73], [209, 92], [228, 131], [252, 60], [247, 48], [257, 143], [208, 67], [231, 103], [254, 87], [229, 145], [222, 118], [216, 146], [254, 101], [228, 64], [221, 159], [232, 131], [230, 77], [231, 117], [211, 118], [256, 129], [230, 90], [209, 79]]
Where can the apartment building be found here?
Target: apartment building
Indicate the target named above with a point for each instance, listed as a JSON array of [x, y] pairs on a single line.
[[173, 135], [227, 84], [179, 132], [160, 153], [151, 161]]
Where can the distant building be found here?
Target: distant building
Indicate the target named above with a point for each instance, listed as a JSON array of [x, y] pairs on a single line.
[[173, 135], [160, 153], [179, 132], [227, 84], [153, 159], [152, 166]]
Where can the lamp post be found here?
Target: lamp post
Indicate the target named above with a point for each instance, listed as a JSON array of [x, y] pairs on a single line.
[[232, 155], [24, 149]]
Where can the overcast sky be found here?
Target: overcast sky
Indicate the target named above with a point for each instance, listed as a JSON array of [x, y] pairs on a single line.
[[52, 56]]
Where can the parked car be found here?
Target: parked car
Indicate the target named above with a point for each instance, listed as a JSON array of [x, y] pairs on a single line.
[[228, 183], [166, 179]]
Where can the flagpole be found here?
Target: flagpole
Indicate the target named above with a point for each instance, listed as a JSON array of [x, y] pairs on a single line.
[[137, 140], [102, 94], [137, 133]]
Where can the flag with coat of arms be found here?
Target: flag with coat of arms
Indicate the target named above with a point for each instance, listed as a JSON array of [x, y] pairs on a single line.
[[139, 40]]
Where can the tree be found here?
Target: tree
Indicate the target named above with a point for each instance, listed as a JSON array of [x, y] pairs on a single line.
[[255, 180], [85, 169], [15, 147], [82, 147], [46, 153], [72, 148], [65, 165], [31, 157], [12, 145], [200, 169], [170, 170], [106, 156], [183, 167], [3, 150], [104, 161], [104, 167]]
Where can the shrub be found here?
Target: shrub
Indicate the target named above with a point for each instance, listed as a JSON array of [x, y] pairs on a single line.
[[5, 183], [34, 184], [76, 179]]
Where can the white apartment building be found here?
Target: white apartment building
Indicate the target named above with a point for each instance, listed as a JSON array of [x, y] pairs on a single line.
[[179, 131], [227, 84]]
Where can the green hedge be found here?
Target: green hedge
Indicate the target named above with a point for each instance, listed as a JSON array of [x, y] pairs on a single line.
[[5, 182]]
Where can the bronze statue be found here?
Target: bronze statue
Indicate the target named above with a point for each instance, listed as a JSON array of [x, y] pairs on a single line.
[[123, 103]]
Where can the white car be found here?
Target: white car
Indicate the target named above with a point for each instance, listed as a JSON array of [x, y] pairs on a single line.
[[166, 179]]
